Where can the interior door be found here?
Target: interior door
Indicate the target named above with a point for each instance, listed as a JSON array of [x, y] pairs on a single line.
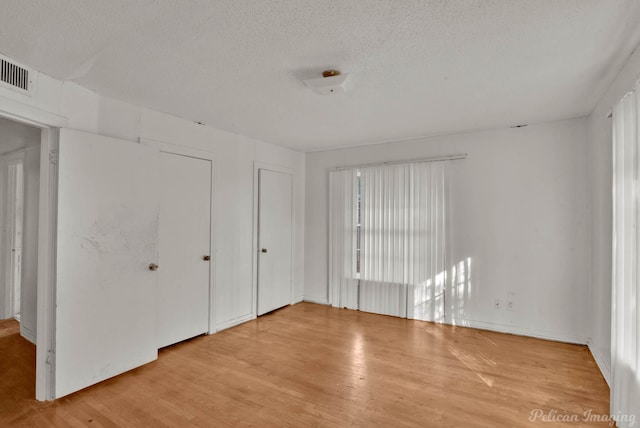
[[107, 241], [15, 215], [185, 242], [274, 240]]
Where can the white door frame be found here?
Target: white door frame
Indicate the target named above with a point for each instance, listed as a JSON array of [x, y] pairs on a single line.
[[48, 201], [7, 222], [257, 166], [210, 156]]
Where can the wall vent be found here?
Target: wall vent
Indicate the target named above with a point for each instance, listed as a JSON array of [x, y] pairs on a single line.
[[15, 76]]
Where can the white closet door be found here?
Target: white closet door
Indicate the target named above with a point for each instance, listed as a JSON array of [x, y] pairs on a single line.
[[185, 230], [274, 240], [107, 237]]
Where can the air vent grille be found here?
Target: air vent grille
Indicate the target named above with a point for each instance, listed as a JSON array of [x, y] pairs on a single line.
[[14, 75]]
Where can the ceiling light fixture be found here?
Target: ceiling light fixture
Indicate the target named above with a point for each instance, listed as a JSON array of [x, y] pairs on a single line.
[[331, 82]]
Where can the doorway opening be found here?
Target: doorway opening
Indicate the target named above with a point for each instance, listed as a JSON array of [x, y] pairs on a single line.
[[19, 220], [21, 144]]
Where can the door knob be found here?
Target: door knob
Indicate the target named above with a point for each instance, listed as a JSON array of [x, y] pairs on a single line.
[[153, 267], [206, 258], [264, 250]]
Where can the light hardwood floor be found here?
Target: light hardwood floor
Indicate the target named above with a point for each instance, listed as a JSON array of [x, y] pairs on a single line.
[[310, 365]]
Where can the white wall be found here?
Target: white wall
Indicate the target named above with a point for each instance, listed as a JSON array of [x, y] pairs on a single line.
[[29, 296], [16, 136], [520, 215], [600, 175], [233, 230], [235, 155]]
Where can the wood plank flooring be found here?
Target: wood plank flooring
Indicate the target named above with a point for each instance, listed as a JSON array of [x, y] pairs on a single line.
[[314, 366]]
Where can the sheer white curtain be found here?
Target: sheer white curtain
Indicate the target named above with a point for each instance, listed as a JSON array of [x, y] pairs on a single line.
[[428, 241], [625, 315], [385, 202], [403, 239], [343, 216]]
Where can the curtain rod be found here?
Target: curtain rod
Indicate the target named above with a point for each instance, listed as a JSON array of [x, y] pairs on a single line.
[[431, 159]]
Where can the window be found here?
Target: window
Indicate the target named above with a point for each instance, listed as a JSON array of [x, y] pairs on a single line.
[[388, 240]]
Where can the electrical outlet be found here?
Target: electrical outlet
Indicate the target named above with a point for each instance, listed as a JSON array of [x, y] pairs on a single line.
[[509, 305], [497, 304]]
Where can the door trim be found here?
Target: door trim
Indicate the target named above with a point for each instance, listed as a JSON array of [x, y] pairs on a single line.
[[30, 115], [210, 156], [257, 166], [47, 256]]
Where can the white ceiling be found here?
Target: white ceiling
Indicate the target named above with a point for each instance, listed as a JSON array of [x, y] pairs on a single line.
[[417, 67]]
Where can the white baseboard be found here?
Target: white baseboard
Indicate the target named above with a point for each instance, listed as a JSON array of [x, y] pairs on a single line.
[[297, 300], [315, 300], [27, 334], [234, 322], [600, 361], [530, 332]]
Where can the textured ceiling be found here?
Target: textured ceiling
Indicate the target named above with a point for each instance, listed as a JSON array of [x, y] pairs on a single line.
[[417, 67]]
